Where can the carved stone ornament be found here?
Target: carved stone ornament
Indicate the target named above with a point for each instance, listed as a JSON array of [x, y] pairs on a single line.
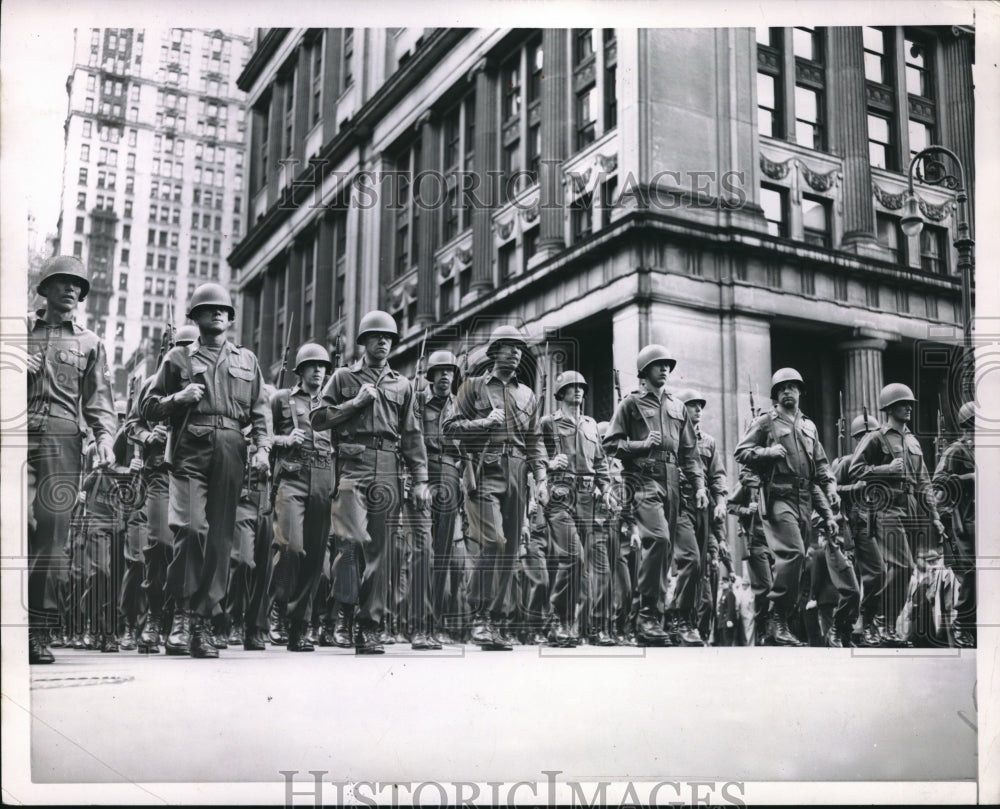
[[888, 200], [464, 256], [504, 229], [445, 268], [774, 170], [935, 213], [816, 180], [530, 214]]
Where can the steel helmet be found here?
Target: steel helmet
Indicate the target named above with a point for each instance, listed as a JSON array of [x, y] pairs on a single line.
[[211, 295], [894, 393], [312, 352], [858, 426], [786, 375], [66, 266], [441, 359], [653, 353], [377, 321], [567, 378], [692, 396], [505, 334], [186, 334], [966, 413]]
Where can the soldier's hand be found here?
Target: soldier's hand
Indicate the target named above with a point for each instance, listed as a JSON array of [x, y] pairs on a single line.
[[701, 499], [158, 435], [611, 501], [135, 465], [776, 451], [365, 396], [105, 456], [896, 467], [834, 499], [35, 362], [296, 437], [811, 604], [559, 462], [542, 493], [940, 527], [633, 538], [832, 530], [191, 394], [81, 497], [422, 495], [496, 417], [720, 512], [653, 439], [260, 460]]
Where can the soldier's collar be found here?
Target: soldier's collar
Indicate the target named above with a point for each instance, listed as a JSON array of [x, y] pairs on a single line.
[[884, 428], [492, 375], [360, 364], [39, 315]]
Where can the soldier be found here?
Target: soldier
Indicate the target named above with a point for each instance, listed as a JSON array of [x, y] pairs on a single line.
[[697, 526], [210, 390], [159, 539], [578, 478], [304, 476], [369, 409], [861, 526], [653, 435], [745, 505], [783, 448], [68, 383], [444, 465], [890, 458], [956, 476], [496, 419]]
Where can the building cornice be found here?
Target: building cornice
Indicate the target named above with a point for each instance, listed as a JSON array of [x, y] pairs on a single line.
[[256, 64]]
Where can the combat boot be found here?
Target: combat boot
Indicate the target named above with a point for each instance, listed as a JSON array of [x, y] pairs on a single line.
[[832, 638], [220, 631], [499, 640], [200, 645], [687, 634], [253, 640], [344, 629], [325, 637], [179, 638], [236, 633], [481, 632], [127, 641], [368, 642], [149, 638], [277, 630], [846, 632], [964, 639], [559, 636], [424, 641], [650, 633], [870, 636], [778, 631], [38, 647], [298, 637], [109, 643]]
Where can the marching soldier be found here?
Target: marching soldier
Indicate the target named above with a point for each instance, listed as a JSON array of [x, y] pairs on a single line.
[[956, 475], [496, 419], [653, 435], [783, 448], [861, 525], [304, 473], [68, 384], [578, 478], [697, 525], [369, 409], [760, 560], [159, 539], [444, 465], [210, 390], [890, 458]]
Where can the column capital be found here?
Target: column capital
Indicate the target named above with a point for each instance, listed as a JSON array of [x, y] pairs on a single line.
[[863, 344], [423, 120], [482, 65]]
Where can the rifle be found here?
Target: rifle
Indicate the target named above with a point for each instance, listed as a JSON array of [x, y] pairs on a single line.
[[871, 508], [841, 424], [167, 339], [338, 343], [406, 479], [470, 474], [940, 442], [281, 383], [618, 385]]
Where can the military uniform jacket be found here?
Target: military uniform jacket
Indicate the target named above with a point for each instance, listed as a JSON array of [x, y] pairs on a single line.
[[642, 412], [391, 416], [476, 398], [579, 441], [73, 383], [432, 411], [234, 391], [138, 430], [715, 472], [290, 410], [960, 498], [805, 460], [878, 448]]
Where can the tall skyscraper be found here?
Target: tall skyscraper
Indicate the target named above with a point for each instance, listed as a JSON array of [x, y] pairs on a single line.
[[153, 176]]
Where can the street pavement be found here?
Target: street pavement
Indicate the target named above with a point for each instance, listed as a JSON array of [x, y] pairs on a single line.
[[464, 714]]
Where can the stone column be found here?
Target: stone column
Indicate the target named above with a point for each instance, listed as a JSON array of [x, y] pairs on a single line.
[[429, 199], [487, 125], [555, 87], [863, 377], [849, 136], [957, 107]]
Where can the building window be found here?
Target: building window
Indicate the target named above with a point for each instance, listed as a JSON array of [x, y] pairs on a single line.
[[506, 257], [816, 221], [347, 59], [581, 217], [85, 153], [125, 255], [340, 263], [890, 236], [407, 214], [774, 201], [87, 128], [520, 137], [840, 288], [123, 282], [881, 148], [610, 79], [81, 201], [122, 303], [798, 116], [78, 249], [934, 250], [79, 225], [316, 79], [529, 245], [288, 115], [458, 131], [594, 79], [262, 119], [308, 285]]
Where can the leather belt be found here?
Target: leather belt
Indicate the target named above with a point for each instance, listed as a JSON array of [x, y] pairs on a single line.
[[376, 442], [583, 483], [316, 458], [440, 458], [511, 450], [662, 455], [791, 481], [214, 420], [60, 411]]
